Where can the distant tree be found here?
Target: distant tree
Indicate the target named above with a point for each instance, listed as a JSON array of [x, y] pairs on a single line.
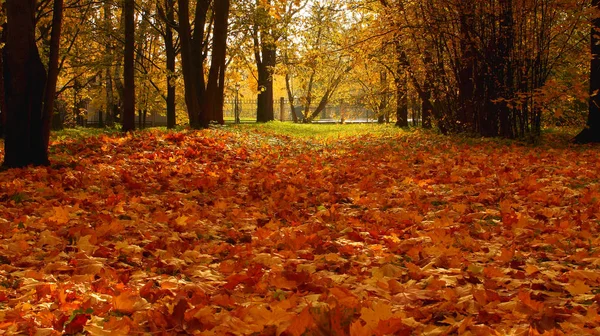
[[271, 20], [592, 132], [166, 12], [128, 67]]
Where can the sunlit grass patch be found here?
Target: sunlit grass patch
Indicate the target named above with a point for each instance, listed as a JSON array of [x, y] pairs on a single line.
[[321, 131]]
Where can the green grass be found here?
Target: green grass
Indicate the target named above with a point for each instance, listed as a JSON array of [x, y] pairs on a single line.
[[320, 131], [554, 137], [80, 133]]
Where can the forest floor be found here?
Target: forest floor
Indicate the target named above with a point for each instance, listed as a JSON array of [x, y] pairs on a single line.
[[301, 230]]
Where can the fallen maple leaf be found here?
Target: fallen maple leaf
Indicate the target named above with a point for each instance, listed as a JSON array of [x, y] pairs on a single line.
[[60, 216], [129, 302], [578, 287]]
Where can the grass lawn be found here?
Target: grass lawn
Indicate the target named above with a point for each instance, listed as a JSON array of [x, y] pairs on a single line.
[[283, 229]]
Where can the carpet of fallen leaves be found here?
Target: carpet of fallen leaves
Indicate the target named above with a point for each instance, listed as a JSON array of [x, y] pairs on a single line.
[[225, 232]]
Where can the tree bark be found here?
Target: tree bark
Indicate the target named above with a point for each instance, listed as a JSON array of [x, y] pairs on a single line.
[[426, 104], [591, 134], [110, 102], [290, 94], [505, 75], [128, 67], [466, 112], [2, 86], [171, 54], [53, 70], [192, 60], [265, 110], [213, 102], [401, 87], [25, 79]]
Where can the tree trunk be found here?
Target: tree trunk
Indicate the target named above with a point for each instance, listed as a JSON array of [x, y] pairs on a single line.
[[25, 78], [505, 75], [290, 94], [426, 104], [265, 53], [110, 103], [466, 112], [265, 110], [171, 54], [213, 102], [192, 60], [128, 67], [2, 86], [591, 134], [401, 87], [53, 70]]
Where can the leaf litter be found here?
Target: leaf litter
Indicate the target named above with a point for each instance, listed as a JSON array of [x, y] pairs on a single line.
[[225, 232]]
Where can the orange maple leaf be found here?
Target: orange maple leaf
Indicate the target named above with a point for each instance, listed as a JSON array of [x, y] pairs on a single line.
[[302, 323]]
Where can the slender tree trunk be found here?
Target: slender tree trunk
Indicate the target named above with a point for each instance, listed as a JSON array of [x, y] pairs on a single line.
[[426, 104], [170, 50], [25, 79], [401, 87], [290, 94], [505, 75], [128, 67], [53, 70], [110, 103], [2, 86], [466, 112], [592, 132]]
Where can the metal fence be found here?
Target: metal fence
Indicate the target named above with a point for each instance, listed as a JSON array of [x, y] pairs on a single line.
[[335, 112], [332, 113]]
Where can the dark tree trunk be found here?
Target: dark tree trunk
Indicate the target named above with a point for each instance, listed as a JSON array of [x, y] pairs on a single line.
[[171, 54], [329, 92], [25, 79], [192, 60], [505, 76], [591, 134], [290, 94], [426, 105], [213, 102], [128, 67], [401, 87], [53, 70], [466, 112], [2, 87], [265, 110], [110, 103], [401, 103], [383, 100], [191, 99]]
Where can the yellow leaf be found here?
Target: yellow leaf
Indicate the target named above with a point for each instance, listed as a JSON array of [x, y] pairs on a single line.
[[86, 244], [379, 312], [60, 216], [578, 287], [128, 302], [387, 270], [182, 220], [531, 269], [47, 238]]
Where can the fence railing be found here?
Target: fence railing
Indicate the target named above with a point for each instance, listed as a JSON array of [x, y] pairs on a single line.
[[282, 110], [246, 108]]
